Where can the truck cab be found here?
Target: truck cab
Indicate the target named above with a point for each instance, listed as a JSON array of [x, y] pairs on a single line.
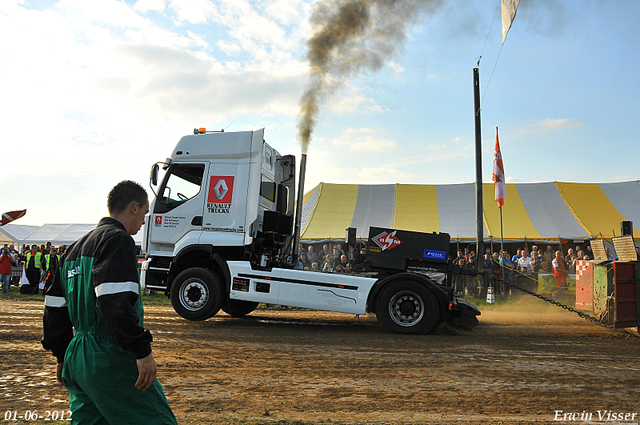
[[211, 202]]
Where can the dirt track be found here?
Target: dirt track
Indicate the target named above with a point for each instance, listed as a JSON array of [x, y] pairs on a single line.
[[315, 367]]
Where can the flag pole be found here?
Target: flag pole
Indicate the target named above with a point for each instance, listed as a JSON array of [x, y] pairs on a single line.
[[501, 192], [501, 245], [478, 134], [501, 231]]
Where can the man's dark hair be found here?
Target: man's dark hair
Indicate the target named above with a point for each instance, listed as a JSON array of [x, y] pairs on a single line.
[[123, 194]]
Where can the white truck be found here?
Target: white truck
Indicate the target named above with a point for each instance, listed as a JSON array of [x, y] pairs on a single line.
[[221, 223]]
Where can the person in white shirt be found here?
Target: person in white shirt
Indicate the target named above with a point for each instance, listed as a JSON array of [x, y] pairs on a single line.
[[525, 263]]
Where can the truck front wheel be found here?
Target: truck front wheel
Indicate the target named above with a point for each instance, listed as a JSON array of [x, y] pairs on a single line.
[[196, 294], [407, 307]]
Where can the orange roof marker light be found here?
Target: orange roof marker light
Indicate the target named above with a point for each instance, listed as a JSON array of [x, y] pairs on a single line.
[[200, 130]]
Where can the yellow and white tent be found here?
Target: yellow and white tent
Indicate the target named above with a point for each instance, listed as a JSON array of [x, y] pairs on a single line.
[[532, 211]]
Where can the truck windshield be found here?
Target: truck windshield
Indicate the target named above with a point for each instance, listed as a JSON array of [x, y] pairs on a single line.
[[182, 183]]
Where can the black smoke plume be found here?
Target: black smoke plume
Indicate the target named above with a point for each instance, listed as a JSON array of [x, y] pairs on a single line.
[[351, 36]]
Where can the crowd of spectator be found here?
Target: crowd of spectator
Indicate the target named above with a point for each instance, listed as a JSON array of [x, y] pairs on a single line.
[[330, 259], [333, 258], [30, 269], [524, 264], [529, 262]]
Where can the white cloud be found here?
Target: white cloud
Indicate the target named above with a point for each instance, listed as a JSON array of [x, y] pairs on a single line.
[[377, 108], [548, 125], [106, 85], [514, 180], [373, 144], [381, 174], [229, 48], [194, 11], [397, 68], [348, 100], [198, 40], [150, 5], [352, 130], [556, 124], [361, 140], [114, 13], [434, 152], [285, 12]]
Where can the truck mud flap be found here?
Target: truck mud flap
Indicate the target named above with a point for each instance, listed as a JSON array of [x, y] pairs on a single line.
[[463, 313]]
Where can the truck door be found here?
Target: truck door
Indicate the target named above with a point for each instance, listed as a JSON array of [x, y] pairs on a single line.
[[225, 197], [179, 206]]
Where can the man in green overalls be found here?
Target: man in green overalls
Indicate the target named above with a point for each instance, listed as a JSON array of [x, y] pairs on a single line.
[[107, 366]]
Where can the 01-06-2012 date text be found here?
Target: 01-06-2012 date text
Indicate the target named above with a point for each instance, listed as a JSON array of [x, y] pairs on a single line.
[[34, 415]]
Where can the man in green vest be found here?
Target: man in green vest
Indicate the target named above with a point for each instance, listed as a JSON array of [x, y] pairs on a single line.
[[107, 365], [52, 259], [32, 266]]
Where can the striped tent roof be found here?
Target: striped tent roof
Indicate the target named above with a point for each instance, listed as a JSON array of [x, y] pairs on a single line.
[[532, 211]]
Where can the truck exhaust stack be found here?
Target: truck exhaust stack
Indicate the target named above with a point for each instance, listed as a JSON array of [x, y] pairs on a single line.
[[298, 220]]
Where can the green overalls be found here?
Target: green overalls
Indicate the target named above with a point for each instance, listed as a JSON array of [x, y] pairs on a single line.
[[98, 374]]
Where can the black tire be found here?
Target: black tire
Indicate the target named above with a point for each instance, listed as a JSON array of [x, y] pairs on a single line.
[[196, 294], [238, 308], [408, 307]]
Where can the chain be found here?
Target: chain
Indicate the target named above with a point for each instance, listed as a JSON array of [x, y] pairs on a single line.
[[566, 307]]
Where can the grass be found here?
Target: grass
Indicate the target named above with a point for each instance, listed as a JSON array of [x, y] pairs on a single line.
[[147, 299], [156, 299], [520, 302], [14, 294]]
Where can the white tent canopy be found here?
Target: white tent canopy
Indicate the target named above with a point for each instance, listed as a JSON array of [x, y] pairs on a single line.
[[15, 233], [57, 234]]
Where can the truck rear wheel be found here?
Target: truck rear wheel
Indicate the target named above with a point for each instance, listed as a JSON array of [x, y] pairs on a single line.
[[196, 294], [408, 307], [238, 308]]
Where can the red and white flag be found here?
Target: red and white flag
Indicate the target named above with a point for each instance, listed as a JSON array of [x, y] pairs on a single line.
[[498, 174], [8, 217]]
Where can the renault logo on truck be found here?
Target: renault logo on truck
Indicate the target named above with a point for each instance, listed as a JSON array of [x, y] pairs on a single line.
[[220, 189], [220, 194]]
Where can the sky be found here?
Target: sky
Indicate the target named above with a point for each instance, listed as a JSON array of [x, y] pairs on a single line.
[[95, 92]]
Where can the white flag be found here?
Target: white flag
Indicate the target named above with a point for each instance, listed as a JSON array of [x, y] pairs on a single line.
[[509, 8]]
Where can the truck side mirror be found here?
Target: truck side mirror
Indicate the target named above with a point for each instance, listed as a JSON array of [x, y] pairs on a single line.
[[154, 175]]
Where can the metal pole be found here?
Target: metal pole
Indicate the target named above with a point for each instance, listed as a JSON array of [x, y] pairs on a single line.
[[479, 218]]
